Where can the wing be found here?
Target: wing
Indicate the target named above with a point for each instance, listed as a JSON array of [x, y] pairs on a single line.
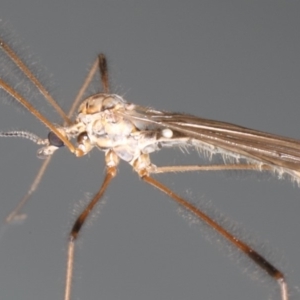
[[282, 153]]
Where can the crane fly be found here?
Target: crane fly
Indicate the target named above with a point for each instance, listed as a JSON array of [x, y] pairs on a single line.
[[129, 132]]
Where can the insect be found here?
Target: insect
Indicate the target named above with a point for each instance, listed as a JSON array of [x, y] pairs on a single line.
[[129, 132]]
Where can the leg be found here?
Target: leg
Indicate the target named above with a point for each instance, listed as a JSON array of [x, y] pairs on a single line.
[[110, 174], [103, 73], [188, 168], [14, 215], [25, 70], [101, 64], [247, 250]]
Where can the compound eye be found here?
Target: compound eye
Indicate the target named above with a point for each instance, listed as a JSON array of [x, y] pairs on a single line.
[[54, 140]]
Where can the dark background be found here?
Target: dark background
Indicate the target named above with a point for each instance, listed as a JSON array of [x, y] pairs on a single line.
[[236, 61]]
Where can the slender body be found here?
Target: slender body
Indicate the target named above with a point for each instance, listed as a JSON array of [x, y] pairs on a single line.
[[108, 122], [129, 132]]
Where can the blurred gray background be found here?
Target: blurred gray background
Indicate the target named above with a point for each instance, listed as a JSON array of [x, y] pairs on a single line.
[[229, 60]]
